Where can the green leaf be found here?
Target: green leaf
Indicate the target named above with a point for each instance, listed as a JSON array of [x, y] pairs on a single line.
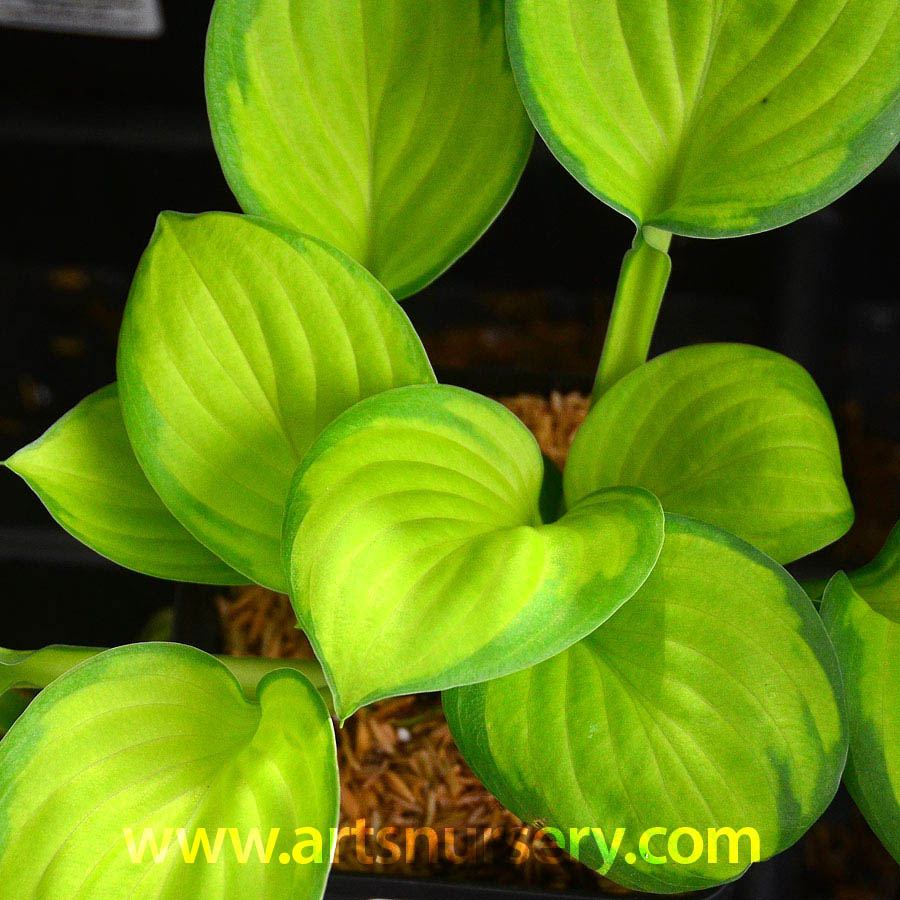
[[551, 503], [712, 699], [85, 472], [417, 556], [241, 342], [12, 705], [159, 736], [392, 130], [713, 118], [862, 614], [736, 436], [815, 588]]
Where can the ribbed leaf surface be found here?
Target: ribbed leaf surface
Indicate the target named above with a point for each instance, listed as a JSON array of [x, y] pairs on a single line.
[[418, 558], [241, 342], [711, 699]]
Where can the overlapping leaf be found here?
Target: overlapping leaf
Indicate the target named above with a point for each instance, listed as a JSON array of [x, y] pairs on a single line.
[[734, 435], [12, 705], [159, 737], [85, 472], [712, 118], [391, 129], [241, 341], [711, 699], [417, 555], [862, 614]]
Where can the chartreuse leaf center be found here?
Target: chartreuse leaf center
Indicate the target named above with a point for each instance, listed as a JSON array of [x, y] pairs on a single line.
[[862, 614], [120, 772], [392, 130], [713, 119], [417, 555], [734, 435], [241, 341], [663, 718]]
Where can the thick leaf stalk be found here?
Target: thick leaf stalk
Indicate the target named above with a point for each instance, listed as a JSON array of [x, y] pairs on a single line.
[[642, 285], [39, 668]]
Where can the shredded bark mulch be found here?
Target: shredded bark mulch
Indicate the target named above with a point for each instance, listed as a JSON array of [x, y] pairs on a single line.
[[553, 422]]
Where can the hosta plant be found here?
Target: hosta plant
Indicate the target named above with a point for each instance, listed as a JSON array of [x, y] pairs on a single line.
[[621, 649]]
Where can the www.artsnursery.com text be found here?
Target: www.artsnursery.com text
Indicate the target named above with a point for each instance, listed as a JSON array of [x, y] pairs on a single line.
[[391, 845]]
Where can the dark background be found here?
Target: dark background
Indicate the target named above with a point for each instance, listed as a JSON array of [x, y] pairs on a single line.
[[97, 135]]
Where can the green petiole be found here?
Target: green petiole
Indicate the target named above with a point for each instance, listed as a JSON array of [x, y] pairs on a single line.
[[639, 293], [38, 668]]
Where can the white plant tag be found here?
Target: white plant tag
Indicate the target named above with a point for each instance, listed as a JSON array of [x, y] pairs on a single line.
[[120, 18]]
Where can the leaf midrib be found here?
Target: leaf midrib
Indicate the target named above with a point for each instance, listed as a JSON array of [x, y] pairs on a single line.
[[671, 178]]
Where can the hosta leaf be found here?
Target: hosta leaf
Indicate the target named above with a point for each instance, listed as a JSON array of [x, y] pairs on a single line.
[[12, 705], [551, 503], [862, 614], [712, 699], [241, 341], [737, 436], [85, 472], [417, 555], [159, 737], [389, 128], [712, 118]]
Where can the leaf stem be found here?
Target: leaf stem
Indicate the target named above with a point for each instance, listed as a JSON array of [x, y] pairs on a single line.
[[642, 284], [38, 668], [250, 670]]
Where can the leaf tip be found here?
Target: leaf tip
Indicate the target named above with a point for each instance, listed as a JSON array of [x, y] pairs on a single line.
[[170, 221], [344, 709], [17, 463], [344, 705]]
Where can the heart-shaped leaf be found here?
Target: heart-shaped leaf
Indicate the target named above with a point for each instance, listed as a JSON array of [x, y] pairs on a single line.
[[145, 751], [713, 118], [418, 559], [241, 341], [862, 614], [85, 472], [391, 129], [711, 700], [737, 436]]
